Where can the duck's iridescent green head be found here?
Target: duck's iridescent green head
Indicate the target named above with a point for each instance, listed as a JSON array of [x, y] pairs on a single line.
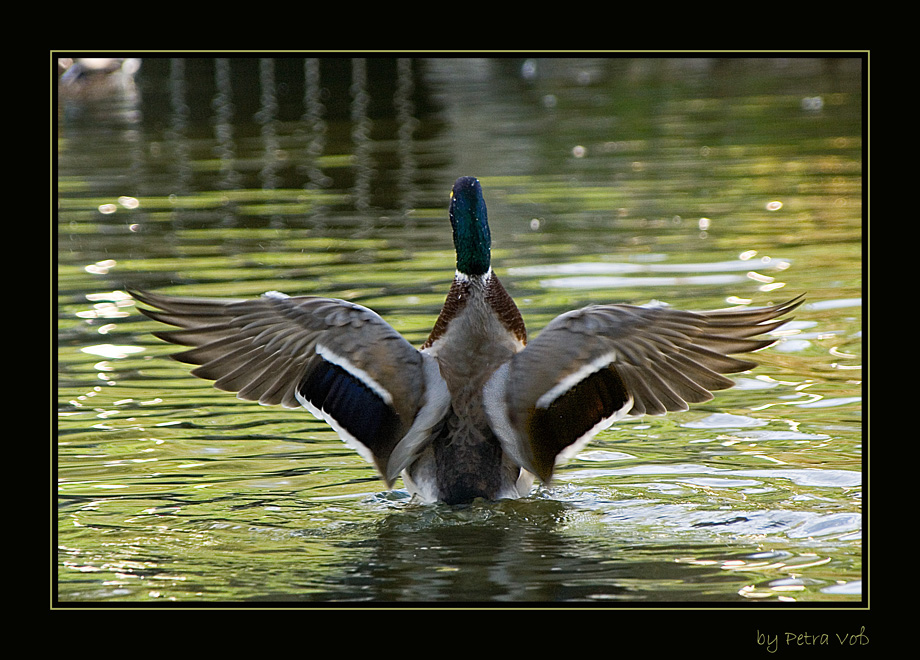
[[471, 227]]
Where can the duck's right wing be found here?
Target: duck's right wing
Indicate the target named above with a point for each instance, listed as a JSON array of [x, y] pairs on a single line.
[[595, 365]]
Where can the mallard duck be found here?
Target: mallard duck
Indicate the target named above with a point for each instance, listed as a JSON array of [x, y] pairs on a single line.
[[477, 411]]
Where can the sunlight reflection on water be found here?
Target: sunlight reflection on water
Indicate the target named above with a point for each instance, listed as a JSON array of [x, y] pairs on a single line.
[[169, 489]]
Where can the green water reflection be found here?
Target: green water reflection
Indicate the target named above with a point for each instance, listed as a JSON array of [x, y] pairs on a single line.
[[697, 183]]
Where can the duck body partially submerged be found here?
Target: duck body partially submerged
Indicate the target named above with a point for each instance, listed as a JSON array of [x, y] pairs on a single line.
[[477, 411]]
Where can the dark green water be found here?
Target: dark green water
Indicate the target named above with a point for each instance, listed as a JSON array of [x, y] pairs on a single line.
[[699, 183]]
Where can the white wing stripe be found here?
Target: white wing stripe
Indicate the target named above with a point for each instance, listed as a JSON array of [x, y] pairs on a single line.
[[574, 378], [360, 374]]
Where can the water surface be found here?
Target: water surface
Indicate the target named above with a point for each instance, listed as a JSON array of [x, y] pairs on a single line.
[[698, 183]]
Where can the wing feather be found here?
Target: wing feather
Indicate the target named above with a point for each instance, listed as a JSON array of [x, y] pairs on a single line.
[[378, 392], [595, 365]]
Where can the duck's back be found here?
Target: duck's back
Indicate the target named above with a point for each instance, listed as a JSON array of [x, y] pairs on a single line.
[[479, 330]]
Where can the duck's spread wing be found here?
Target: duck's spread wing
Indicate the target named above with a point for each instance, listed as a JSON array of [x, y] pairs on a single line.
[[595, 365], [338, 359]]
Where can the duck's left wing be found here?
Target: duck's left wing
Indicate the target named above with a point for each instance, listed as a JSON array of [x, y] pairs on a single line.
[[339, 360], [593, 366]]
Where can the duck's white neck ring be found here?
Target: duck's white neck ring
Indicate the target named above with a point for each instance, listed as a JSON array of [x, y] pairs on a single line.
[[463, 277]]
